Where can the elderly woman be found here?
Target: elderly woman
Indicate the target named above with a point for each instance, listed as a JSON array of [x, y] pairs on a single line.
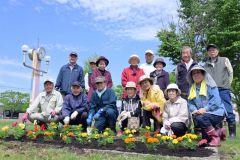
[[152, 102], [101, 63], [175, 114], [205, 105], [160, 76], [131, 73]]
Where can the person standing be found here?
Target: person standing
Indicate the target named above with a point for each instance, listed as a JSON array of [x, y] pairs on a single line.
[[132, 73], [221, 70], [68, 74], [148, 66], [87, 78], [182, 69], [160, 76]]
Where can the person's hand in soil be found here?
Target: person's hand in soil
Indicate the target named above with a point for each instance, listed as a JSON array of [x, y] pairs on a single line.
[[25, 117], [66, 120], [74, 115]]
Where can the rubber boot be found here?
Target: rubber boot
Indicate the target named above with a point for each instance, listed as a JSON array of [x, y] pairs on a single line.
[[232, 130], [215, 139], [222, 133]]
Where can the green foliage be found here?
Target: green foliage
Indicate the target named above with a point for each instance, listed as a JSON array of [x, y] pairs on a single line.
[[14, 101], [172, 77], [86, 65], [118, 90]]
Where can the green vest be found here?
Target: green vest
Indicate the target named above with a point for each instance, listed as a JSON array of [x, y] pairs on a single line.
[[219, 72]]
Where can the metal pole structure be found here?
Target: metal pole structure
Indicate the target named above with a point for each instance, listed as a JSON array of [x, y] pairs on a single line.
[[35, 76]]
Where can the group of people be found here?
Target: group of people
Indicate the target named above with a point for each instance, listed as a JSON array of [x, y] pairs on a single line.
[[201, 94]]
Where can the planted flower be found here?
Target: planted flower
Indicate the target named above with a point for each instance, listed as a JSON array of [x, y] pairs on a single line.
[[4, 132]]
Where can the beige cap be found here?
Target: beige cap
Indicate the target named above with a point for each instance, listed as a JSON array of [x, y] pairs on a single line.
[[149, 51], [131, 84], [172, 86], [145, 77], [133, 56]]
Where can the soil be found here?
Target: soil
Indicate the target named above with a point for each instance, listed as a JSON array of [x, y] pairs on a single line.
[[118, 146]]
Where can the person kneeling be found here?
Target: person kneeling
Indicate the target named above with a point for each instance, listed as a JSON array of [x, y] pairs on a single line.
[[206, 106], [131, 107], [75, 107], [103, 109], [175, 114], [46, 107]]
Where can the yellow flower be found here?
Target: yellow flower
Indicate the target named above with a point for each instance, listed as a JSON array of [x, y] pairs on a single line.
[[134, 131], [159, 135], [53, 125], [127, 131], [84, 135], [194, 136], [175, 141], [107, 129], [105, 133], [164, 138], [5, 128], [147, 127], [79, 126], [64, 138], [97, 136], [21, 125], [130, 135], [189, 140]]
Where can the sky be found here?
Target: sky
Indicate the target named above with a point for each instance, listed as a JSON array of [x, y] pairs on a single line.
[[115, 29]]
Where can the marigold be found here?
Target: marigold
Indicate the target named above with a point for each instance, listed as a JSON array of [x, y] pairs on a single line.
[[134, 131], [53, 125], [158, 135], [174, 136], [30, 133], [70, 134], [147, 135], [147, 127], [84, 135], [180, 139], [189, 140], [5, 128], [174, 141], [130, 135], [64, 138], [105, 133], [21, 125], [127, 131]]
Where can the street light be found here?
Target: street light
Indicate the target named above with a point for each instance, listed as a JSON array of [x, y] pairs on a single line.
[[36, 56]]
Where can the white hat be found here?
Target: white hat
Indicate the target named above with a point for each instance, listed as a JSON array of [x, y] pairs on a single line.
[[133, 56], [48, 80], [131, 84], [172, 86], [149, 51], [145, 77]]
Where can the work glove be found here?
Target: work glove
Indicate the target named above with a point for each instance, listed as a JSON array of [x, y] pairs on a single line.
[[98, 114], [53, 113], [66, 120], [74, 115], [25, 117], [89, 119]]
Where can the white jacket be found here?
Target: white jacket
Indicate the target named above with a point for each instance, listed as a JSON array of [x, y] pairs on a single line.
[[45, 104], [175, 112], [147, 68]]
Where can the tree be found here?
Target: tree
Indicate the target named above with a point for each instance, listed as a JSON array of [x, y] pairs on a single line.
[[86, 65], [118, 90], [14, 101]]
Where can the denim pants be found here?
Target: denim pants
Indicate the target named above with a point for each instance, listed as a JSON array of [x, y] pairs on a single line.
[[226, 99], [179, 128], [207, 120], [107, 119]]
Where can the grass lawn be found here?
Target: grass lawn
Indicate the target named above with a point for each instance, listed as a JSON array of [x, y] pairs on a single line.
[[229, 149]]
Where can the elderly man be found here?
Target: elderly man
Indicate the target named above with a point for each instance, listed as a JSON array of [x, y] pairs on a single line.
[[221, 70], [75, 107], [148, 66], [182, 69], [103, 109], [68, 74], [46, 107]]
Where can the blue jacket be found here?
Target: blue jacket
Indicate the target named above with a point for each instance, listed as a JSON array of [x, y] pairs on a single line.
[[107, 100], [67, 76], [212, 102], [74, 103]]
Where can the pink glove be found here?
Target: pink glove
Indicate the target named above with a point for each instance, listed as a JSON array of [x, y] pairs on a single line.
[[25, 117], [53, 113]]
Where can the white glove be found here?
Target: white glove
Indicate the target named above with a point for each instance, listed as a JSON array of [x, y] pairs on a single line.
[[125, 116], [120, 124], [166, 124], [163, 130], [66, 120], [74, 115], [170, 132]]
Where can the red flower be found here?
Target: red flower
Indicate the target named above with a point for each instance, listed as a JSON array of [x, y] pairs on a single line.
[[147, 135], [157, 131], [35, 127], [14, 124], [43, 127]]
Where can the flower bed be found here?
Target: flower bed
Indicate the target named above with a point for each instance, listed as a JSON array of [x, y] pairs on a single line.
[[142, 141]]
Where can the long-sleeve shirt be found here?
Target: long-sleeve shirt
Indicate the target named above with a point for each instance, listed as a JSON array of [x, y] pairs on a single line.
[[46, 103], [75, 103], [175, 112]]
